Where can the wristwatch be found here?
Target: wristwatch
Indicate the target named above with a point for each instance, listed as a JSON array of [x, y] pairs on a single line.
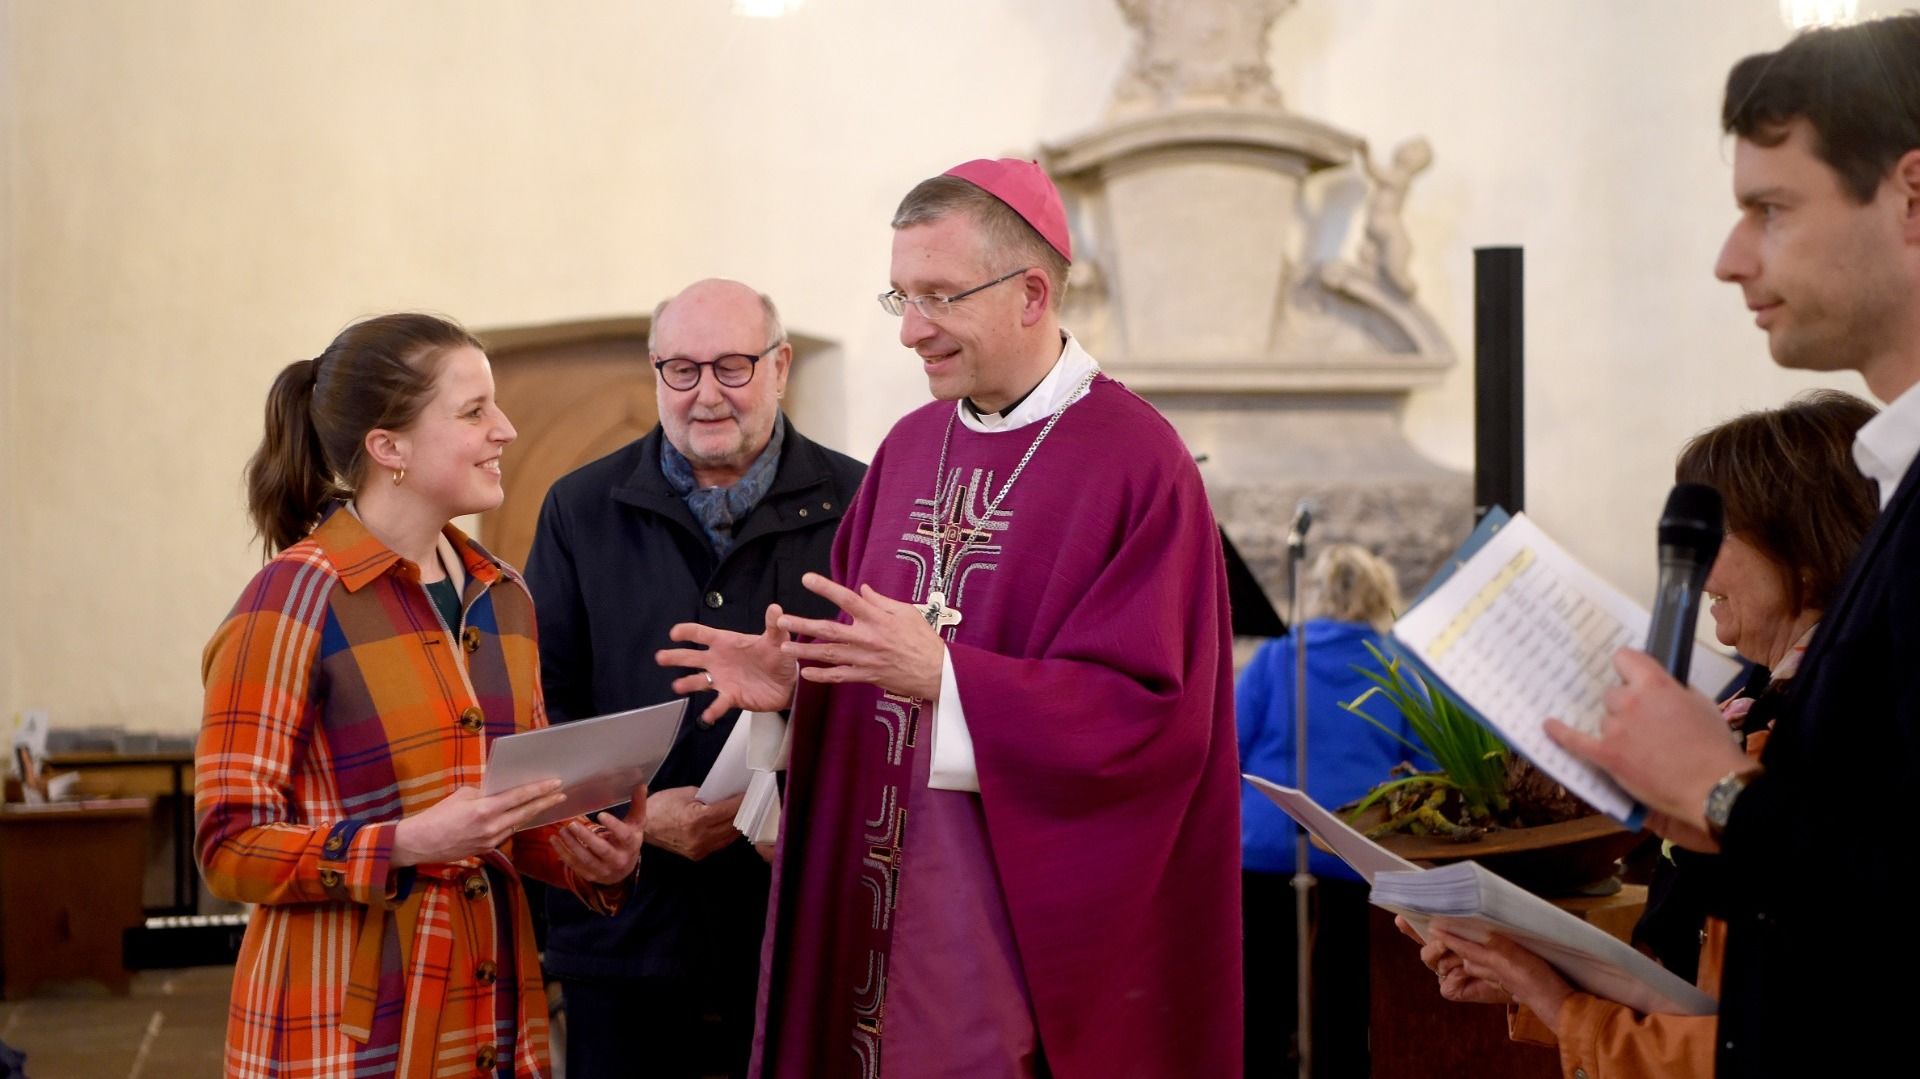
[[1721, 798]]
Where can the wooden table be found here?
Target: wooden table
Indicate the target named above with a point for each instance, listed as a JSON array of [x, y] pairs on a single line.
[[148, 775], [1415, 1031], [70, 878]]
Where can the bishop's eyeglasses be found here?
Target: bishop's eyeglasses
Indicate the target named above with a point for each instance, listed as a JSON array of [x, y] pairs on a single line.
[[936, 307], [733, 370]]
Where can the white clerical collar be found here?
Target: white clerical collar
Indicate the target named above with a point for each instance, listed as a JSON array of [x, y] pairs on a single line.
[[1887, 444], [1060, 388]]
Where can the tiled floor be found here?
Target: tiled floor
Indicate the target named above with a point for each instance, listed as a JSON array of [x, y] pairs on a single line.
[[170, 1027]]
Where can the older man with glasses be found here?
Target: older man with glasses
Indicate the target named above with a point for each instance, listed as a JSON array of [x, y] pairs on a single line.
[[709, 518]]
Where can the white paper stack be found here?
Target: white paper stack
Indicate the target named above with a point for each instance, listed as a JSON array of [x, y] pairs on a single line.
[[759, 816], [761, 751], [1473, 903]]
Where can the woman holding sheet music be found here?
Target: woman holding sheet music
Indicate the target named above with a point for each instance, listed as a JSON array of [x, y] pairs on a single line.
[[1797, 510], [351, 696]]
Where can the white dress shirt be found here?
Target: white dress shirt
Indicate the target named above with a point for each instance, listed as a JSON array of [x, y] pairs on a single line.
[[1887, 444]]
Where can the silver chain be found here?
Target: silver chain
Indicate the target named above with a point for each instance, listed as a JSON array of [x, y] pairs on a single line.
[[940, 570]]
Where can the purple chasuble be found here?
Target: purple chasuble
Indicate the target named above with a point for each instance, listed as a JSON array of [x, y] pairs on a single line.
[[1083, 909]]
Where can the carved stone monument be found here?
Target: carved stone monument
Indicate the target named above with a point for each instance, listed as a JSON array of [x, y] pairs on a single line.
[[1248, 270]]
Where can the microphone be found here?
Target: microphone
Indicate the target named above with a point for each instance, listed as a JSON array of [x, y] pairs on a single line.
[[1690, 531], [1297, 531]]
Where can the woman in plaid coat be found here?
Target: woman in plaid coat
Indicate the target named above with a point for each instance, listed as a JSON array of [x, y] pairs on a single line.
[[351, 696]]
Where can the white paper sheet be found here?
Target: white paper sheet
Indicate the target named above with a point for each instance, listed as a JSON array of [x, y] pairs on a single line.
[[1522, 633], [767, 750], [600, 760], [1363, 854], [1471, 902], [759, 816], [729, 774]]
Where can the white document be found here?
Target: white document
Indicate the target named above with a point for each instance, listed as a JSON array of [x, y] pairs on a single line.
[[766, 751], [1470, 902], [759, 815], [729, 774], [1522, 632], [1363, 854], [600, 760]]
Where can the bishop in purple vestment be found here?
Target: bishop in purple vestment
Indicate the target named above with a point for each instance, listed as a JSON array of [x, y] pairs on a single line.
[[1010, 841]]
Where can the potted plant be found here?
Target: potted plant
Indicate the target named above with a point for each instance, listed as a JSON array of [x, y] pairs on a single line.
[[1479, 800]]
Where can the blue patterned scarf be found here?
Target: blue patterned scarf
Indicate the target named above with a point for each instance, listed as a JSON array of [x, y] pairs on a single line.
[[720, 509]]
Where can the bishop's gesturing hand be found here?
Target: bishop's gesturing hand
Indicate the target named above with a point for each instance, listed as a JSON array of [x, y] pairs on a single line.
[[889, 644]]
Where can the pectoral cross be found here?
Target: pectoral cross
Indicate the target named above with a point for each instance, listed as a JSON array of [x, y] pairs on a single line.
[[936, 611]]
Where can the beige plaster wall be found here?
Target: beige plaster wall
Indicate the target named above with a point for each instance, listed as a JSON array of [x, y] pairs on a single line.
[[10, 611], [202, 190], [1588, 134]]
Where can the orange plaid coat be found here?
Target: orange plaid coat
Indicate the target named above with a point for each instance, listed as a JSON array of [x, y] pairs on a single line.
[[337, 702]]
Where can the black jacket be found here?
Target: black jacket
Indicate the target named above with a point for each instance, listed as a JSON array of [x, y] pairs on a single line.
[[1818, 851], [617, 560]]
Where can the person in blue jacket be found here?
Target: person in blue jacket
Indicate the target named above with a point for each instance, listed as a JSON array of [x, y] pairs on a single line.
[[1351, 598]]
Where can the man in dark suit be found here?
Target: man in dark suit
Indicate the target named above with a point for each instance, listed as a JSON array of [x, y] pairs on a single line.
[[1816, 839], [715, 514]]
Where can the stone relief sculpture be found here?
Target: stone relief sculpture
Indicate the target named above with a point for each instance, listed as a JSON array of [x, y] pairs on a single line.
[[1248, 270], [1388, 249], [1199, 53]]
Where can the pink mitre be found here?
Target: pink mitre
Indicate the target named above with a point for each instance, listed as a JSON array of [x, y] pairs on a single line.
[[1028, 190]]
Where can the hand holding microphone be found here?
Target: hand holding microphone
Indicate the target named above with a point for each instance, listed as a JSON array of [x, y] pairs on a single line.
[[1660, 740]]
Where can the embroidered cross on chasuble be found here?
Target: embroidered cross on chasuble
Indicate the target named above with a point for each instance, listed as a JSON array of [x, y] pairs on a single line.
[[1079, 915], [950, 538]]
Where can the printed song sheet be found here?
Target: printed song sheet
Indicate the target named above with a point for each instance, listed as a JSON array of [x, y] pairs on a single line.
[[1521, 632]]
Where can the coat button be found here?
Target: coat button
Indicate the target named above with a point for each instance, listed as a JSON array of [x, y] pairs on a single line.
[[826, 505], [486, 972], [803, 511], [715, 599], [1579, 1073], [470, 639], [485, 1059], [472, 719], [475, 886], [329, 878]]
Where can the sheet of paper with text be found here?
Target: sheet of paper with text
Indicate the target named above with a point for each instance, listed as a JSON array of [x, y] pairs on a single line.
[[1522, 632]]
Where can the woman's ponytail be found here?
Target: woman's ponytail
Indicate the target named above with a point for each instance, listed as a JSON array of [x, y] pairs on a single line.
[[288, 481]]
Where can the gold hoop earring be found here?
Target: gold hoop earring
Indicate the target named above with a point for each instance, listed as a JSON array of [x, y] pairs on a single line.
[[398, 475]]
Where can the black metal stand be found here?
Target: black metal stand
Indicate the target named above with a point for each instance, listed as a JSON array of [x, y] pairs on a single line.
[[1303, 881], [1499, 362]]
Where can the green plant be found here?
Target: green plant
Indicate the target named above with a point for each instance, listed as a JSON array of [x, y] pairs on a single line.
[[1472, 761]]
